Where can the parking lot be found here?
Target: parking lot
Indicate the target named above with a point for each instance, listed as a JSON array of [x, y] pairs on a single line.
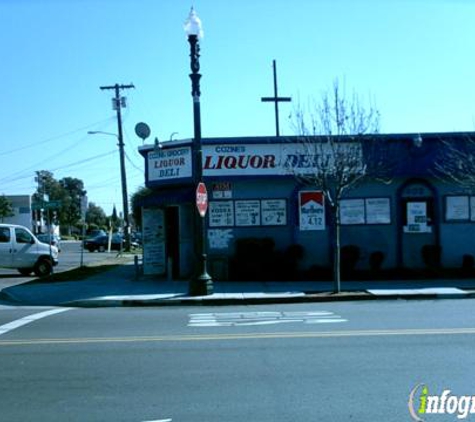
[[70, 257]]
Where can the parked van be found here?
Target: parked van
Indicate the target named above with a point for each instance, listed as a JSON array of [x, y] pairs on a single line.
[[20, 249]]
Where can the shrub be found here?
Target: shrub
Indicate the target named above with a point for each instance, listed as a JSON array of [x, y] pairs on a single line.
[[349, 255], [253, 259], [432, 255], [289, 262], [468, 262], [376, 260]]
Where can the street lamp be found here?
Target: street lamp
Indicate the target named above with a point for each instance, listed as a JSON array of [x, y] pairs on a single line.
[[123, 177], [201, 284]]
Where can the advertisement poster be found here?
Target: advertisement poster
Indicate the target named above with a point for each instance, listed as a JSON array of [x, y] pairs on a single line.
[[274, 212], [248, 213], [154, 258], [378, 211], [352, 211], [457, 208], [311, 210], [417, 218], [221, 214], [219, 238]]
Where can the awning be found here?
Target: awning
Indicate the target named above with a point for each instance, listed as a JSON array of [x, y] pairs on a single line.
[[168, 197]]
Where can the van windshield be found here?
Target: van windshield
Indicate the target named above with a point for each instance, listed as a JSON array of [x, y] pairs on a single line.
[[22, 236]]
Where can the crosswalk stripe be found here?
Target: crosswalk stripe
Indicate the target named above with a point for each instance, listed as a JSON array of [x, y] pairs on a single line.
[[232, 319]]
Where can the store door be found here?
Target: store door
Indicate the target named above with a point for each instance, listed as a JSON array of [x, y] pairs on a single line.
[[418, 224], [172, 221]]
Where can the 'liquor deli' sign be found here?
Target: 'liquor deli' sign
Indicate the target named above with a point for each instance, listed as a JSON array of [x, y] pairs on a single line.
[[266, 159], [169, 164]]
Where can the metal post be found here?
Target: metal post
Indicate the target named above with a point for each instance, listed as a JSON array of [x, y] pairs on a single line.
[[201, 284]]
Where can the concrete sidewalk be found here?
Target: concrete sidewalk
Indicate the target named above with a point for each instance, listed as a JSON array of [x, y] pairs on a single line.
[[119, 287]]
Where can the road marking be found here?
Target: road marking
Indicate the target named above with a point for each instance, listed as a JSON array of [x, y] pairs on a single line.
[[160, 420], [246, 336], [28, 319], [241, 319]]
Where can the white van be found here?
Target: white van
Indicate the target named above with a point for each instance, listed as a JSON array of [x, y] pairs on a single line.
[[20, 249]]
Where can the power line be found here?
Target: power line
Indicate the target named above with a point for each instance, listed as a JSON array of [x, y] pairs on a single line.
[[140, 170], [86, 160], [54, 138]]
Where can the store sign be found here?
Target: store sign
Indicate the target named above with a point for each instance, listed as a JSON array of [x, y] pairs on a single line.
[[270, 159], [312, 210], [222, 190], [169, 164]]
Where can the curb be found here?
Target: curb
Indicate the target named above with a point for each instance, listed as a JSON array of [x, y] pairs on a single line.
[[203, 301], [7, 297]]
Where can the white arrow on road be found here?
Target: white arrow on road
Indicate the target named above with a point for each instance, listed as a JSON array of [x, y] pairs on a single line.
[[233, 319]]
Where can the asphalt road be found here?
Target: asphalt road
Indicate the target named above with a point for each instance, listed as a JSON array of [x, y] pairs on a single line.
[[347, 361], [70, 257]]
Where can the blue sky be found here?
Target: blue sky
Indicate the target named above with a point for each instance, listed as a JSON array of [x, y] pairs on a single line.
[[413, 58]]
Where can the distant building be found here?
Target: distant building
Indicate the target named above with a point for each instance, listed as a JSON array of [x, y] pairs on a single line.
[[255, 206], [21, 205]]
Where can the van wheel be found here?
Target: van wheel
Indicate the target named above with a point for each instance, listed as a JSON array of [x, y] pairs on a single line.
[[43, 267], [25, 271], [102, 248]]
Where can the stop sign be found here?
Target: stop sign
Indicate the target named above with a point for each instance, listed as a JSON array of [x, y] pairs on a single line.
[[201, 199]]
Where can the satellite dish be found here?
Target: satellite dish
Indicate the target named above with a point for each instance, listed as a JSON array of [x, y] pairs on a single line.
[[142, 130]]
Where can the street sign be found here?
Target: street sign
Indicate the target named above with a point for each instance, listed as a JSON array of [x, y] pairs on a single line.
[[53, 204], [46, 205], [201, 199]]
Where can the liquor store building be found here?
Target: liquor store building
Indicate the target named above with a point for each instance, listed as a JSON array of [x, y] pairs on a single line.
[[263, 222]]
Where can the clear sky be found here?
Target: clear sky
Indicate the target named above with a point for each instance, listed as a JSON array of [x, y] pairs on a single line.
[[413, 58]]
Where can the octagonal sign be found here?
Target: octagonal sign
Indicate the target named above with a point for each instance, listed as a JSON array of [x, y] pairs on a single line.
[[201, 199]]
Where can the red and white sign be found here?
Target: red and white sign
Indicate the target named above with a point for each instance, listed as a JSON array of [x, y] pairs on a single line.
[[312, 210], [222, 190], [201, 199]]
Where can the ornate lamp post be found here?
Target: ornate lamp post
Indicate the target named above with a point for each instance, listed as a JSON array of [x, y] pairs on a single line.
[[201, 284]]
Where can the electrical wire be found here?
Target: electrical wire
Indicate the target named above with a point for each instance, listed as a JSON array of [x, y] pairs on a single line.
[[140, 170], [86, 160], [54, 138]]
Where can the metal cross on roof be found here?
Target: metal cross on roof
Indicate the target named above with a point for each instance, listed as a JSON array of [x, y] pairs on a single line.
[[276, 99]]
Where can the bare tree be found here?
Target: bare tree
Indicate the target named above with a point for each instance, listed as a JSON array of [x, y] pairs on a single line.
[[338, 135], [455, 162]]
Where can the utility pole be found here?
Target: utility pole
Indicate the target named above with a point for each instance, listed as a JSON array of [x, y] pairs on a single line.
[[119, 102]]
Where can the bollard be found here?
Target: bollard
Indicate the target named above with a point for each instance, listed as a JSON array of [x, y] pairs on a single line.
[[137, 268], [170, 269]]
